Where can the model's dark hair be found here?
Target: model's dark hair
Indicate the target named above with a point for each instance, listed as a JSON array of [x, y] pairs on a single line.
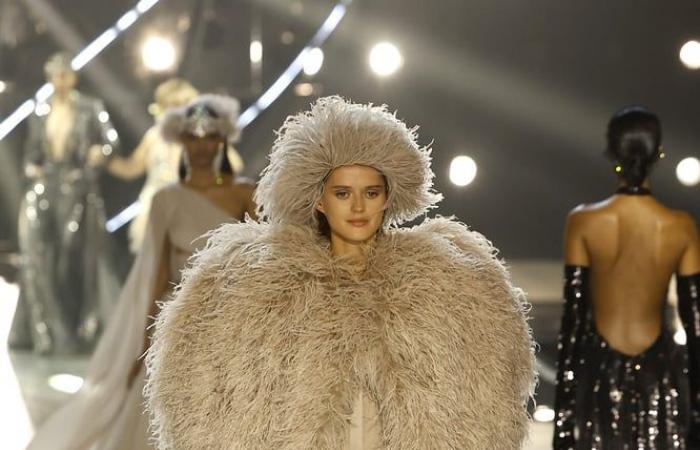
[[223, 163], [634, 143]]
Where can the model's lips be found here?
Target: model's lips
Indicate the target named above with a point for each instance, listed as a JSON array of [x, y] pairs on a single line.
[[358, 222]]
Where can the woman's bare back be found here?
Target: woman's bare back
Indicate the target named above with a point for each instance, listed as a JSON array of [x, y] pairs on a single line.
[[633, 245]]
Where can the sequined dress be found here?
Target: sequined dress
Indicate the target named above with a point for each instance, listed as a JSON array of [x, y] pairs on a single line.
[[607, 400], [66, 284]]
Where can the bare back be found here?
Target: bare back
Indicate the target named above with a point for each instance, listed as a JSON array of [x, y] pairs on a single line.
[[633, 245]]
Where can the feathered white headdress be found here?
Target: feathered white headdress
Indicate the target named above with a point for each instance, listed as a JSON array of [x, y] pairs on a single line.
[[206, 114], [337, 133]]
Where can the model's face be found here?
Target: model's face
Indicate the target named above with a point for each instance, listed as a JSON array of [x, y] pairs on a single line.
[[63, 80], [201, 151], [353, 201]]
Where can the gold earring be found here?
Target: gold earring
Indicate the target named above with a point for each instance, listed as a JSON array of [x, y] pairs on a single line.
[[662, 152]]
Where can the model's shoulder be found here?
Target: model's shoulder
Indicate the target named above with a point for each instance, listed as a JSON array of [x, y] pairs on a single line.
[[243, 186], [88, 102], [168, 193], [685, 222], [586, 213]]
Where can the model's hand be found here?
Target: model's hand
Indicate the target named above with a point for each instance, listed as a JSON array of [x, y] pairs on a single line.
[[95, 156], [133, 373]]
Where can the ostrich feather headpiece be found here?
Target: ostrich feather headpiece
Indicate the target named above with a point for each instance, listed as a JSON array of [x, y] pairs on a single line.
[[336, 133], [206, 114]]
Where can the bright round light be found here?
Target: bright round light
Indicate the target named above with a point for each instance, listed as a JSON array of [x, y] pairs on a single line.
[[690, 55], [158, 54], [688, 171], [313, 61], [304, 89], [462, 170], [385, 59], [543, 413], [680, 337], [256, 52], [65, 382]]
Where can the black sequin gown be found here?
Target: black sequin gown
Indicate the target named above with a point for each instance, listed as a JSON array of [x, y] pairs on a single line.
[[606, 400]]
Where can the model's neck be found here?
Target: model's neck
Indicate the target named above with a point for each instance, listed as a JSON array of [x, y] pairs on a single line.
[[355, 251], [201, 177], [61, 96], [622, 183]]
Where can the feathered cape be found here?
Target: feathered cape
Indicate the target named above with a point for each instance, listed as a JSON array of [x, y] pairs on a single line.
[[270, 338]]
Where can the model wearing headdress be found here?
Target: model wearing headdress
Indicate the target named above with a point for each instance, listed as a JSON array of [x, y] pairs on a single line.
[[66, 283], [623, 381], [324, 326], [108, 412], [158, 158]]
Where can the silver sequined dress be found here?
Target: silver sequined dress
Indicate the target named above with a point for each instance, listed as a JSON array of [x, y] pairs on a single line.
[[64, 279]]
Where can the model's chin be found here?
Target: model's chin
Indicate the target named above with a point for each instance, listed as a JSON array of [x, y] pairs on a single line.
[[358, 235]]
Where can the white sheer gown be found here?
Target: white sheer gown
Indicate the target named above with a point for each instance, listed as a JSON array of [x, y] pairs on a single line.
[[104, 414]]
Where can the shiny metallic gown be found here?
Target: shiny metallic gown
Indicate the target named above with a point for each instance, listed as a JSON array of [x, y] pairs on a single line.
[[606, 400], [64, 278]]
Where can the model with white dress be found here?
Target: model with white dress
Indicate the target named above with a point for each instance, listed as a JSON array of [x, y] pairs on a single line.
[[108, 412]]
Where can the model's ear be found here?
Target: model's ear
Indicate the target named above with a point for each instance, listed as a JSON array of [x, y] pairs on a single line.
[[319, 207]]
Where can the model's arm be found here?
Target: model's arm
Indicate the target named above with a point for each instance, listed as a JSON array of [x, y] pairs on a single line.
[[103, 136], [688, 287], [160, 288], [135, 165], [251, 207], [33, 152], [576, 279]]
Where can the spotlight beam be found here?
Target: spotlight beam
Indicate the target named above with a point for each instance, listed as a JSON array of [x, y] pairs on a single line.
[[267, 98]]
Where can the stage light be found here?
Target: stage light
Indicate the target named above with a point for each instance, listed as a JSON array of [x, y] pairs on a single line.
[[287, 37], [304, 89], [543, 413], [158, 54], [385, 59], [679, 337], [3, 86], [462, 170], [690, 55], [688, 171], [256, 52], [313, 61], [64, 382]]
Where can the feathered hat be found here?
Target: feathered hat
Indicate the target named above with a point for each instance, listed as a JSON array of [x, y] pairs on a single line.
[[337, 133], [206, 114]]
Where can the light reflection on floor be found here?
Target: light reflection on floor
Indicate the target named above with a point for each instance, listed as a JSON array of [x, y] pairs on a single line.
[[15, 424]]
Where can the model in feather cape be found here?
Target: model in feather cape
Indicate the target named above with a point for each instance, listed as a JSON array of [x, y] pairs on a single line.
[[324, 326]]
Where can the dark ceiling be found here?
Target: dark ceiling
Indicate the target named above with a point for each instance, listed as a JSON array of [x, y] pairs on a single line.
[[525, 88]]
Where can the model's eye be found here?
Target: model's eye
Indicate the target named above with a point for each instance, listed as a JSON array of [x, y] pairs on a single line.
[[342, 194], [372, 194]]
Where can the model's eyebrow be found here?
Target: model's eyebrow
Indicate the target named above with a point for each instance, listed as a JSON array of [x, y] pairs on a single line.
[[376, 186]]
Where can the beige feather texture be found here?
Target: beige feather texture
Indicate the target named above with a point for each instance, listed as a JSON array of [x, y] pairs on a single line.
[[270, 338], [174, 121], [335, 133]]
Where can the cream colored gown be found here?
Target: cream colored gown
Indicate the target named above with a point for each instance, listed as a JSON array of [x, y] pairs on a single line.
[[104, 414]]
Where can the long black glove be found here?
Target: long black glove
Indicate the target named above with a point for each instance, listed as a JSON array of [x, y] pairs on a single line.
[[688, 288], [572, 322]]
